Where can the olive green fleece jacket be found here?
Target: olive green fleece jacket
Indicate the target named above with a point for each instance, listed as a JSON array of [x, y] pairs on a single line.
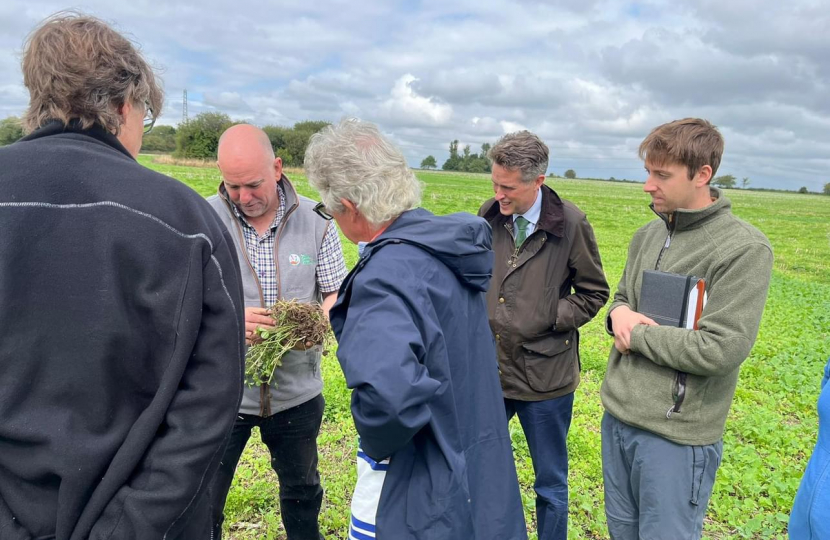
[[735, 259]]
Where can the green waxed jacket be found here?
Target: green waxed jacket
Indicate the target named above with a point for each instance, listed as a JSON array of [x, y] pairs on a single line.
[[735, 259], [540, 295]]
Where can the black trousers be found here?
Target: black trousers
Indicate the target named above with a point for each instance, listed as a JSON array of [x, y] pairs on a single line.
[[291, 438]]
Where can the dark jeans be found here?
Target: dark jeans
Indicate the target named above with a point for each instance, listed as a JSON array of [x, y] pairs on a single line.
[[655, 488], [546, 425], [291, 437]]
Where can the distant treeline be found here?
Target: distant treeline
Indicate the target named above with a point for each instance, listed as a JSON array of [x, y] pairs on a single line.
[[199, 138], [467, 161]]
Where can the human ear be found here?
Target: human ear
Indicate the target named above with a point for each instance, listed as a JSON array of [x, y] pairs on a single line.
[[703, 176]]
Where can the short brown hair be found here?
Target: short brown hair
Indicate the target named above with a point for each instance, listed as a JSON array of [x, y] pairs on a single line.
[[77, 67], [521, 150], [692, 142]]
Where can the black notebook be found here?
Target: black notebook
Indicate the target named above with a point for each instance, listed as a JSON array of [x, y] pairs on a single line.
[[672, 299]]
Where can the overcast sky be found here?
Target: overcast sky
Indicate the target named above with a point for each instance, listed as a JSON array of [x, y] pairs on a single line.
[[590, 77]]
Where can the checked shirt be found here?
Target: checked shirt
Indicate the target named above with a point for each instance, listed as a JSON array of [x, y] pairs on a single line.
[[331, 267]]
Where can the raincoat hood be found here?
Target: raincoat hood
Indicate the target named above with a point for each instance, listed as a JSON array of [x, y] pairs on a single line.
[[461, 241]]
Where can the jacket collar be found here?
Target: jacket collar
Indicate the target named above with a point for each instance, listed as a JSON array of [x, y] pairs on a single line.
[[551, 219], [97, 132], [291, 198], [683, 219]]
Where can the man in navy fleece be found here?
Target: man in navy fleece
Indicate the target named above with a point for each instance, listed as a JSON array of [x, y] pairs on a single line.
[[120, 308]]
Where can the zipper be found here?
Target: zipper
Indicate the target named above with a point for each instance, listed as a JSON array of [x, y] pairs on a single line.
[[669, 226], [264, 391], [679, 391], [245, 252], [280, 229]]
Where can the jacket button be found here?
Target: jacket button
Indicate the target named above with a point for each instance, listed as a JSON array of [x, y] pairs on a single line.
[[501, 300], [499, 371], [498, 337], [567, 342]]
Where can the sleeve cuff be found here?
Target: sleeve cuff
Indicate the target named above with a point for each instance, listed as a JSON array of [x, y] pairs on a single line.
[[637, 337], [608, 327]]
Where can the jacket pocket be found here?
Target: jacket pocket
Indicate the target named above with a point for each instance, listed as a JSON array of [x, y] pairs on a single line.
[[549, 362], [437, 495], [298, 375], [705, 463]]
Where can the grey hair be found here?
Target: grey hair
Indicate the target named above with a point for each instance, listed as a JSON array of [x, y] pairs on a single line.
[[522, 151], [353, 161]]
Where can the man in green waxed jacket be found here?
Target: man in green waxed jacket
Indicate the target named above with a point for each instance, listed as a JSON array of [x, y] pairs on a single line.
[[667, 390], [547, 282]]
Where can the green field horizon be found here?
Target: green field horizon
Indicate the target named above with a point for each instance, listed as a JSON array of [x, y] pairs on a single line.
[[772, 426]]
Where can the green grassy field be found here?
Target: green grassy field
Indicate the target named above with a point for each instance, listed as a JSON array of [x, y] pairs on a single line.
[[771, 428]]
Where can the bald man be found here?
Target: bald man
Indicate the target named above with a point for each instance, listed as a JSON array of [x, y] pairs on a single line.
[[286, 251]]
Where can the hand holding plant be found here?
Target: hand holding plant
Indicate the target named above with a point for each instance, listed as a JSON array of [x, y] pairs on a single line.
[[295, 325]]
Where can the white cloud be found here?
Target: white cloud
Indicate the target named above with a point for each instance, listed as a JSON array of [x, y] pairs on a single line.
[[510, 127], [407, 106], [591, 77]]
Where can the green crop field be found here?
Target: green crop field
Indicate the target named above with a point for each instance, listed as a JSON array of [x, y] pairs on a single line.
[[771, 429]]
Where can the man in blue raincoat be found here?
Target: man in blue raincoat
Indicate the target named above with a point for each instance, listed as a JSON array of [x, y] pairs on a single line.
[[415, 345]]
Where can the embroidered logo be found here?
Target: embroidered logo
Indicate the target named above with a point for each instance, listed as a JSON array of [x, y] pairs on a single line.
[[296, 260]]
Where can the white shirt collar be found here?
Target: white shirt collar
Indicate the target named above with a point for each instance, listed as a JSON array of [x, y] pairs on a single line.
[[535, 211]]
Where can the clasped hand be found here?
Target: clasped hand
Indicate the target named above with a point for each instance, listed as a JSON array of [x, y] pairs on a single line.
[[623, 320]]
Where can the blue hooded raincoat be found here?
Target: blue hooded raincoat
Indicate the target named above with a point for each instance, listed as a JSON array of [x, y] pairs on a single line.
[[810, 519], [435, 459]]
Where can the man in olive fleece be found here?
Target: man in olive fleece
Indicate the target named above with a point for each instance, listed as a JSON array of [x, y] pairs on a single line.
[[667, 390]]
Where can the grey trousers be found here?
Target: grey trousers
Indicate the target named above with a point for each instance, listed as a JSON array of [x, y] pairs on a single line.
[[655, 489]]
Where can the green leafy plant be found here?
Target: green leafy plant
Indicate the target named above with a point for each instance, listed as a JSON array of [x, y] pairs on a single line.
[[296, 325]]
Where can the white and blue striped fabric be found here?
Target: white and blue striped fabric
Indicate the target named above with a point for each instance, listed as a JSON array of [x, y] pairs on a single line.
[[370, 477]]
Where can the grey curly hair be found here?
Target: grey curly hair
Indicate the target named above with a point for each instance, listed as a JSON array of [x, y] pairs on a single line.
[[353, 161]]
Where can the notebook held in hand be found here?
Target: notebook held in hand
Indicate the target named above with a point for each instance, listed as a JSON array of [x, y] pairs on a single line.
[[672, 299]]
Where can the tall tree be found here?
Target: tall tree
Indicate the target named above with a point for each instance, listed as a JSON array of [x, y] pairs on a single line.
[[745, 182], [276, 134], [453, 162], [290, 143], [161, 140], [725, 181], [199, 138], [429, 163], [570, 173], [11, 130]]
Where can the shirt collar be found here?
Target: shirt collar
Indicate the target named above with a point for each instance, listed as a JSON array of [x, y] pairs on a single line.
[[535, 211]]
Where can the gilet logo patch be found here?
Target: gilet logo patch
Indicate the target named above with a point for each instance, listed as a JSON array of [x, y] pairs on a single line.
[[301, 259]]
